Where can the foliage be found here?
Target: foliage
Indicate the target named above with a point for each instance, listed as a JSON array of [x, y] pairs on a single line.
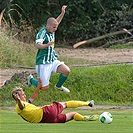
[[83, 19]]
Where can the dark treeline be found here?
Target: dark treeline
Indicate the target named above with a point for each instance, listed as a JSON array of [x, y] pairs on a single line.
[[84, 19]]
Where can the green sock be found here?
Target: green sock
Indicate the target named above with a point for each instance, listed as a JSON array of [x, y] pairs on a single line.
[[61, 80], [34, 82]]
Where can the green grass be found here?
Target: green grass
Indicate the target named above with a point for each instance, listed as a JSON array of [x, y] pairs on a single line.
[[121, 46], [106, 85], [74, 61], [14, 53], [122, 123]]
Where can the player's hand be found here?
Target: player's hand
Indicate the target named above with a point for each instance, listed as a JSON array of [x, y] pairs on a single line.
[[16, 96], [64, 8], [49, 43]]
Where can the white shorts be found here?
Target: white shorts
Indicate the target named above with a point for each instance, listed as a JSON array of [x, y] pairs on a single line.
[[44, 71]]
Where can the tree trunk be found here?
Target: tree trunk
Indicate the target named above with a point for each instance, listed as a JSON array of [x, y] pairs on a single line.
[[99, 38], [1, 16]]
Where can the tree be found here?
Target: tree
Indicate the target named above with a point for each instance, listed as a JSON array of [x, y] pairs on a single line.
[[84, 19]]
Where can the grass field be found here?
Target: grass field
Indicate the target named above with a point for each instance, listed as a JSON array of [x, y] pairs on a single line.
[[108, 85], [10, 122]]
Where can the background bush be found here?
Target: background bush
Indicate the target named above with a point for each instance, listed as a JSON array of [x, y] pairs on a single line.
[[84, 19]]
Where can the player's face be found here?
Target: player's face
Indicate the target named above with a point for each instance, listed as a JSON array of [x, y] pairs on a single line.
[[52, 28], [22, 96]]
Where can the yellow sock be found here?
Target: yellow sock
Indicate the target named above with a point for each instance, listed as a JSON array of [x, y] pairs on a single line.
[[75, 104], [78, 117]]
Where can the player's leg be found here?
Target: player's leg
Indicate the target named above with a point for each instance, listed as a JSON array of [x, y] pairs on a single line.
[[60, 67], [74, 115], [78, 117], [44, 73], [32, 81], [75, 104], [64, 69]]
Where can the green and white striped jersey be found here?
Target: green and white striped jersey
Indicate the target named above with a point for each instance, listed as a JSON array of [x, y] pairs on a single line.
[[46, 55]]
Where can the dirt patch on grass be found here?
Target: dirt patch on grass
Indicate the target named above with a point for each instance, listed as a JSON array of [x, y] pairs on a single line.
[[93, 56], [98, 55]]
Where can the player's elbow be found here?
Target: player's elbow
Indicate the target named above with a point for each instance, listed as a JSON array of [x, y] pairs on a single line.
[[38, 46]]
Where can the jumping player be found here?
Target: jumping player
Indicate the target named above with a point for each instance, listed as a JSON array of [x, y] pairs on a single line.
[[46, 58]]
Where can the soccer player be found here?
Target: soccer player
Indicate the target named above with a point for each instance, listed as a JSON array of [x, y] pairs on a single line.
[[46, 58], [48, 113]]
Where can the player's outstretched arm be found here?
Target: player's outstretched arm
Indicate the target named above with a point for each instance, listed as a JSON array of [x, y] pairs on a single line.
[[35, 93], [60, 17]]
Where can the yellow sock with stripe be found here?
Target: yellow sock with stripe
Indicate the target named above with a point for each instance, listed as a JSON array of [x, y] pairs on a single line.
[[78, 117], [75, 104]]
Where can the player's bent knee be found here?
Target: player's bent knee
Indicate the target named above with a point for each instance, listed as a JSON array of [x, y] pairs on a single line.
[[45, 88], [70, 116], [67, 71], [63, 104]]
